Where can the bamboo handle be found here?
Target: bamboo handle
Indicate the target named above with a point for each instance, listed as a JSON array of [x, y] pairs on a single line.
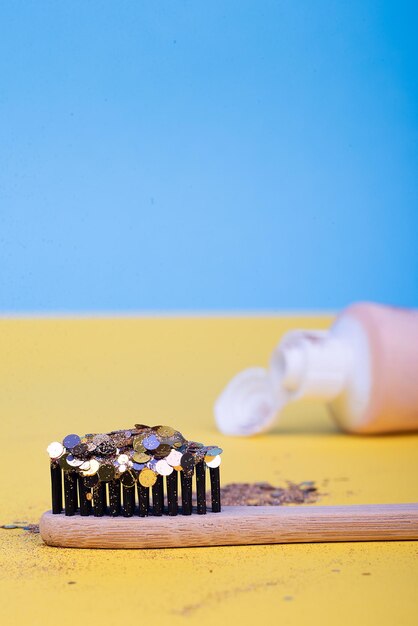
[[236, 525]]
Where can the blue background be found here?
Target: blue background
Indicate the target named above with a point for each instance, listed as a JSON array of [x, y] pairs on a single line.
[[188, 155]]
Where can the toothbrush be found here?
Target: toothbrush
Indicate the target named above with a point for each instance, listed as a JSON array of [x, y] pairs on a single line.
[[107, 491]]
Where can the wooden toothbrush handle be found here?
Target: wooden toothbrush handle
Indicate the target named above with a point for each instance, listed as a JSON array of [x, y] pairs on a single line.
[[236, 525]]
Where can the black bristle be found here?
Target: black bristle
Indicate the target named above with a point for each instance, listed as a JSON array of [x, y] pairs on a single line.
[[143, 498], [128, 500], [85, 504], [70, 492], [215, 486], [114, 498], [158, 497], [201, 487], [172, 497], [186, 491], [56, 488], [99, 499]]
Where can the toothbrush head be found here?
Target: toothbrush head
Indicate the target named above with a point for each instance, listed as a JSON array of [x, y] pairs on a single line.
[[99, 474]]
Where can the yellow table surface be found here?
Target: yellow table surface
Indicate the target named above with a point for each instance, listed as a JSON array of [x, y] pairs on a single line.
[[92, 375]]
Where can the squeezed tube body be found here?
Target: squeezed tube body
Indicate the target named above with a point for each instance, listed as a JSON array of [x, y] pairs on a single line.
[[365, 367], [392, 345]]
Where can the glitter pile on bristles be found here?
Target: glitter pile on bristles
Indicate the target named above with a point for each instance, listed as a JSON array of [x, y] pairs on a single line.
[[96, 466]]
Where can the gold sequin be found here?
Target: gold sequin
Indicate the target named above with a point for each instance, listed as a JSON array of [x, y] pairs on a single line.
[[147, 478], [165, 431], [141, 457]]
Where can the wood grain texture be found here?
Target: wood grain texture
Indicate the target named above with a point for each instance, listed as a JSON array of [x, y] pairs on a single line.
[[236, 526]]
